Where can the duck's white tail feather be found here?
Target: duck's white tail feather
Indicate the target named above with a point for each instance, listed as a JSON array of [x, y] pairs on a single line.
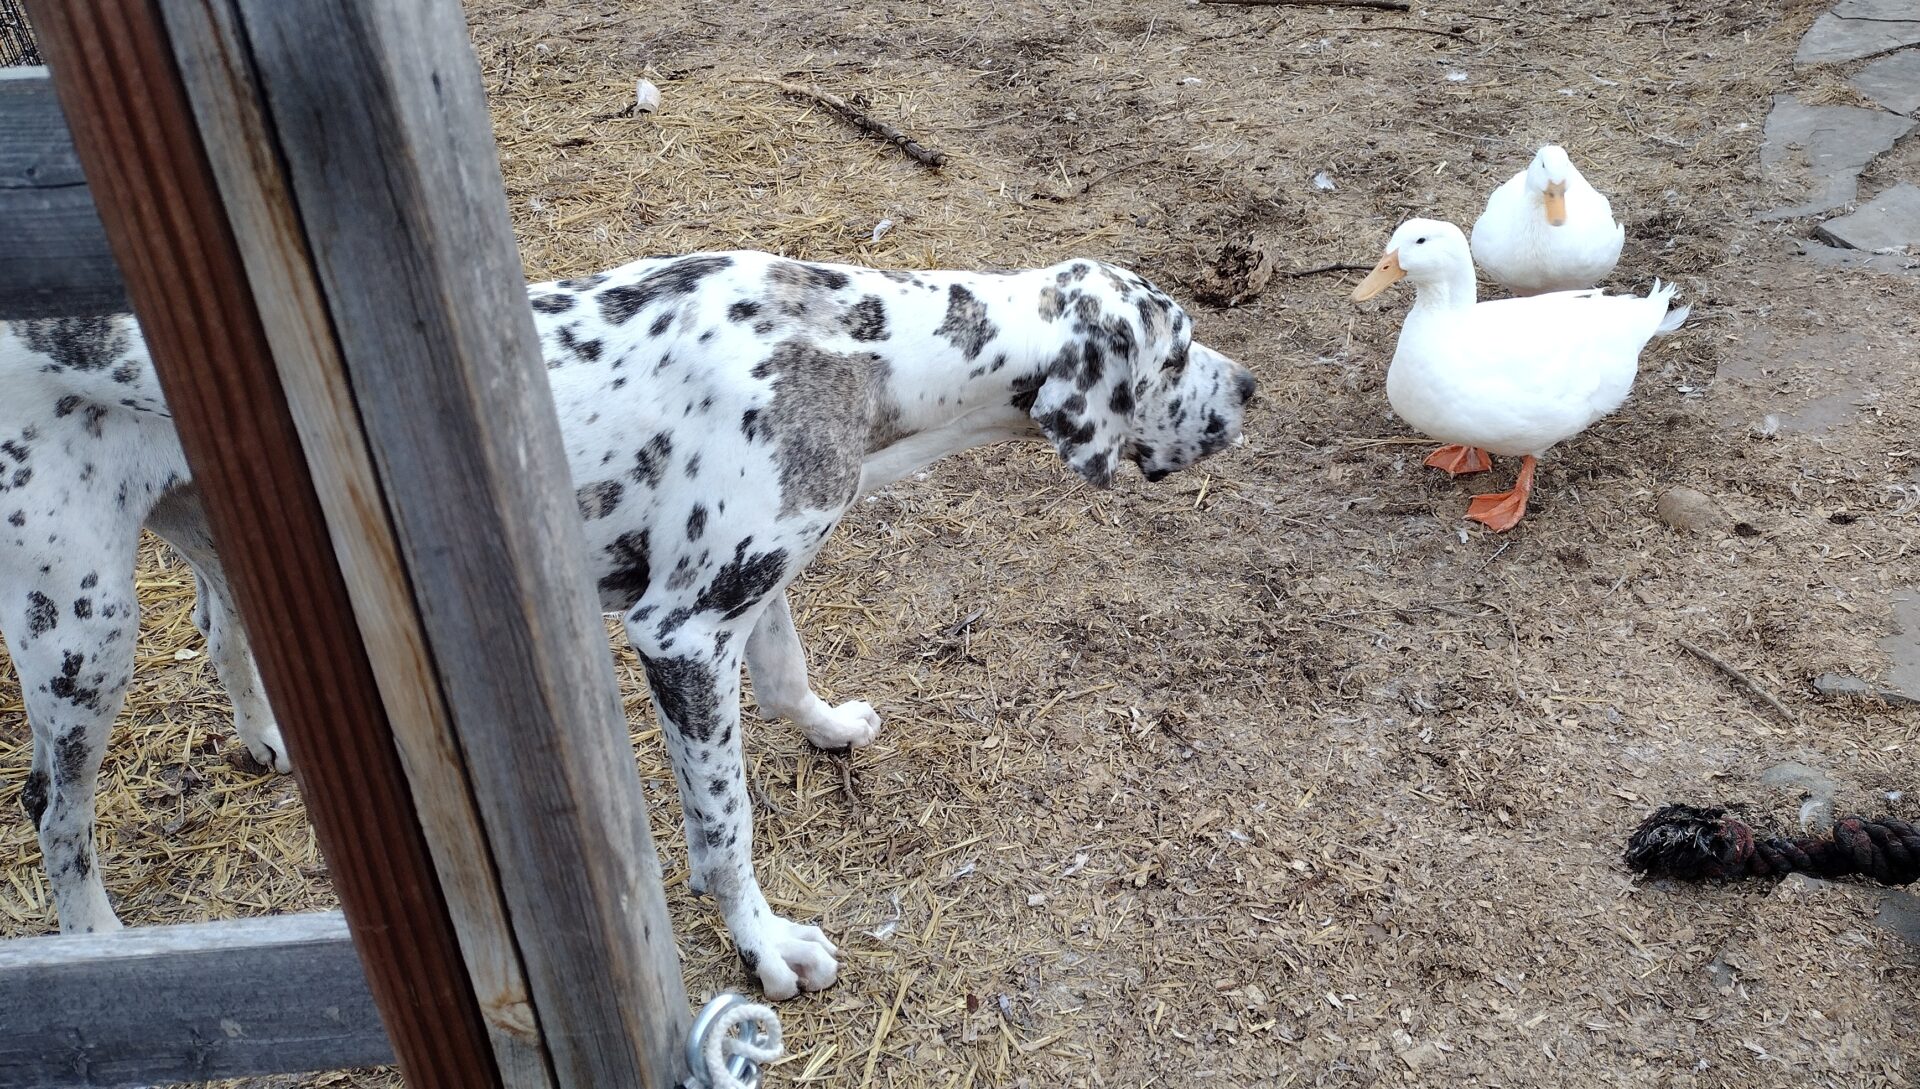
[[1675, 316]]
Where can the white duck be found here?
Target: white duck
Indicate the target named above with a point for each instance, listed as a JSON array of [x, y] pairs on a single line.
[[1510, 377], [1546, 229]]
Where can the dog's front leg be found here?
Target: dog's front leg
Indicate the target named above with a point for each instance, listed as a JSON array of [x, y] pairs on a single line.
[[695, 678], [778, 665]]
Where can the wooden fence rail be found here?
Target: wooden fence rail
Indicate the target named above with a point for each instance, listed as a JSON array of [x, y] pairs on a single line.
[[186, 1003], [54, 258]]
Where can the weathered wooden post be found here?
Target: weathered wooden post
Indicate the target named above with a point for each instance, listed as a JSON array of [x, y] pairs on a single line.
[[306, 205]]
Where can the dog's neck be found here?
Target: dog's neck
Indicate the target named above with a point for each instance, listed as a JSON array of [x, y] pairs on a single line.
[[950, 400], [914, 452]]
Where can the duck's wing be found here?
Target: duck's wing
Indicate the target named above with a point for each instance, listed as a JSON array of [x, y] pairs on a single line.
[[1503, 204], [1571, 340]]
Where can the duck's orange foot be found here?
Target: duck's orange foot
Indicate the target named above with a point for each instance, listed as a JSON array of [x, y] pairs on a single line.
[[1498, 511], [1501, 511], [1457, 460]]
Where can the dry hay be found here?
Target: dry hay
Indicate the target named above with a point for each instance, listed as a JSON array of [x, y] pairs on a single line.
[[1272, 774]]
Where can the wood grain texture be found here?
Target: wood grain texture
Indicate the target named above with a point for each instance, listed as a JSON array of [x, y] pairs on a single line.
[[240, 144], [57, 261], [381, 120], [186, 1003], [137, 139]]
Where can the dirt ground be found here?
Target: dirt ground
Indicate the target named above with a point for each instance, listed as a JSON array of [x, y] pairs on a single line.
[[1277, 773]]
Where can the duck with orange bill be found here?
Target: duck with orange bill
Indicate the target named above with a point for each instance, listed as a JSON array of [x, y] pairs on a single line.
[[1511, 377], [1546, 229]]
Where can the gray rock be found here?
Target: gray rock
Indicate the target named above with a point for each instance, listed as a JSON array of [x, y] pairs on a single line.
[[1859, 28], [1725, 976], [1800, 887], [1893, 82], [1900, 913], [1839, 257], [1795, 774], [1839, 684], [1889, 223], [1826, 145], [1686, 510]]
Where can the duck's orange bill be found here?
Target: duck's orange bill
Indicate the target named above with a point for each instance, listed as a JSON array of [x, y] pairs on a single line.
[[1556, 200], [1382, 277]]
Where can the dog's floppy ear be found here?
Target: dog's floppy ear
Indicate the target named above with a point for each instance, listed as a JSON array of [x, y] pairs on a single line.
[[1128, 340], [1082, 401]]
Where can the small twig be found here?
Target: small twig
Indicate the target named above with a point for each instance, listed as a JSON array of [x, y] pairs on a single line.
[[1383, 5], [1369, 444], [1078, 485], [1497, 553], [1084, 187], [1341, 624], [963, 623], [843, 758], [1329, 268], [766, 803], [913, 148], [1513, 643], [1454, 34], [1749, 683]]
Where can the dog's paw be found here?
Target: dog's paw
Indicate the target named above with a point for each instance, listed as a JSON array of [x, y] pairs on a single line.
[[100, 920], [789, 958], [851, 725], [264, 745]]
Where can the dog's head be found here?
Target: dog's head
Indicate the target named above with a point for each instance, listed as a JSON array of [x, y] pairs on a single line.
[[1130, 381]]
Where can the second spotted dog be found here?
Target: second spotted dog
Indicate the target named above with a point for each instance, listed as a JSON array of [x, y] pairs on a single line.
[[721, 413]]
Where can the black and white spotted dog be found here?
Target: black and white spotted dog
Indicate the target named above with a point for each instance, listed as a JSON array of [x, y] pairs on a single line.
[[721, 413]]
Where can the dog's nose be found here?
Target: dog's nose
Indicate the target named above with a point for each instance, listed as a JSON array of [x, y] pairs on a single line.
[[1243, 385]]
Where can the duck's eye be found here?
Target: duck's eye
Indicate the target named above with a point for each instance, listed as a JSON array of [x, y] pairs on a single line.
[[1419, 241]]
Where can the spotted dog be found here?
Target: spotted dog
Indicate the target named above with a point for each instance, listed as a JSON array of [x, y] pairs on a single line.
[[721, 413]]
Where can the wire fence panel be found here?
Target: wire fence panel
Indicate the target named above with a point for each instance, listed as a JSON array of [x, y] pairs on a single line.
[[16, 37]]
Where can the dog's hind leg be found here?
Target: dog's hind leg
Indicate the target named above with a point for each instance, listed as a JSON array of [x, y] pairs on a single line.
[[694, 673], [778, 665], [181, 522], [69, 617]]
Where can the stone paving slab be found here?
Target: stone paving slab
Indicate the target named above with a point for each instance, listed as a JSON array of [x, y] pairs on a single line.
[[1889, 223], [1837, 143], [1900, 913], [1839, 257], [1904, 646], [1860, 28], [1893, 82]]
